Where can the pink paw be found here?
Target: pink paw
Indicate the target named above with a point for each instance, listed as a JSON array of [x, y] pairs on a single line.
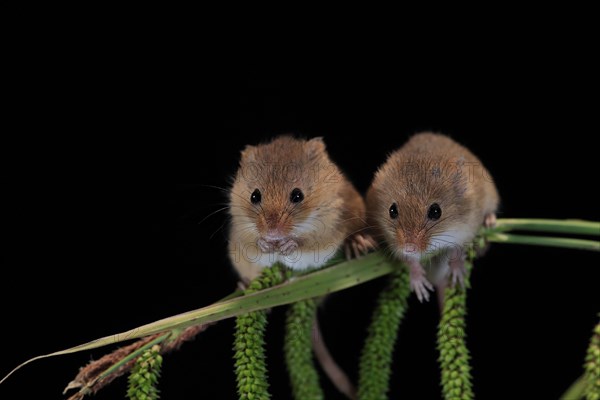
[[265, 246], [288, 247], [457, 271], [421, 286], [359, 245], [490, 220], [418, 282]]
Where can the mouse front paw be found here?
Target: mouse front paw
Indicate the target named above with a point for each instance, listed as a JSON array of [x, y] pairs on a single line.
[[457, 271], [288, 247], [358, 245], [419, 283], [421, 286], [490, 220], [265, 246]]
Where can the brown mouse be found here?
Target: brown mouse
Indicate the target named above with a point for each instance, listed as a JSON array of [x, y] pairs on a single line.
[[430, 197], [290, 203]]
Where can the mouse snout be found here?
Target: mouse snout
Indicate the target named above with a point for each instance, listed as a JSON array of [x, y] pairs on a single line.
[[410, 243], [409, 249], [276, 240], [274, 237]]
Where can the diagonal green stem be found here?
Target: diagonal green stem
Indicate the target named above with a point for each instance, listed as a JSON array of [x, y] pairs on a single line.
[[335, 278]]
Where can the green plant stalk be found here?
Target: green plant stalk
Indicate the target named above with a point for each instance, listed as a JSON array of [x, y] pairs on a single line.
[[304, 377], [588, 384], [592, 367], [134, 354], [581, 244], [376, 357], [249, 343], [329, 280], [576, 390], [454, 355], [113, 368], [574, 227], [332, 279], [144, 375]]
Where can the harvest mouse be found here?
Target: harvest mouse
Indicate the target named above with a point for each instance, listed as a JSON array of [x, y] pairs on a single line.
[[290, 203], [431, 196]]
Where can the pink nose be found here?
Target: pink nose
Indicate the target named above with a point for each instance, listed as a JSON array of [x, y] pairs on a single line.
[[410, 249], [274, 237]]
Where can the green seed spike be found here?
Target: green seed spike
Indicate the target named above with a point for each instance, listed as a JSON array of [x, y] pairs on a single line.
[[376, 358], [454, 355], [249, 343], [144, 375], [304, 377], [592, 367]]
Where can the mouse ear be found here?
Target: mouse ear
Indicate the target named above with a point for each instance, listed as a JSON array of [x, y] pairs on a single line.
[[248, 153], [315, 146], [459, 174]]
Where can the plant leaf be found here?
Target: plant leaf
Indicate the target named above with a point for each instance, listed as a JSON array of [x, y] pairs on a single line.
[[328, 280]]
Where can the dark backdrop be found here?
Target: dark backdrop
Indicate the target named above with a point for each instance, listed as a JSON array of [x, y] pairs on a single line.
[[110, 241]]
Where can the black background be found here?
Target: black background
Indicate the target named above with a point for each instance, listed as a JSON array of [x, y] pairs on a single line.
[[107, 241]]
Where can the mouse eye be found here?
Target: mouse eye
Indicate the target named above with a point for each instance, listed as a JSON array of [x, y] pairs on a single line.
[[435, 212], [256, 196], [296, 196], [394, 211]]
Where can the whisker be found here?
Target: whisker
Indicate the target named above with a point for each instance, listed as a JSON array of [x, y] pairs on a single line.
[[212, 213]]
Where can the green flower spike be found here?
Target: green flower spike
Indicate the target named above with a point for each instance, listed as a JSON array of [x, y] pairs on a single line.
[[249, 343], [304, 377], [592, 367], [454, 355], [144, 375], [376, 357]]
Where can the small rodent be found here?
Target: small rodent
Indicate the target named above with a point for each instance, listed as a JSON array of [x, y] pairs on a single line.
[[431, 194], [290, 203]]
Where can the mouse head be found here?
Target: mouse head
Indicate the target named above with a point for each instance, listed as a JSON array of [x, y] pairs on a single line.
[[418, 204], [283, 192]]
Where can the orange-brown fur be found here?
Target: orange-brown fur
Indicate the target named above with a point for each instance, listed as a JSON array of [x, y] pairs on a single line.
[[332, 210], [431, 168]]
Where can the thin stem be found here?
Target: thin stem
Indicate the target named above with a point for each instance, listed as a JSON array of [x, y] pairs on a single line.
[[572, 226], [581, 244]]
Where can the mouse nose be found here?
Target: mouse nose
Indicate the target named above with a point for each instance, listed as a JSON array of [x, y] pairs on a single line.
[[410, 249], [274, 237]]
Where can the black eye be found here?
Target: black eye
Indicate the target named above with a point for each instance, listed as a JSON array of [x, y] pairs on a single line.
[[435, 212], [255, 198], [394, 211], [296, 196]]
